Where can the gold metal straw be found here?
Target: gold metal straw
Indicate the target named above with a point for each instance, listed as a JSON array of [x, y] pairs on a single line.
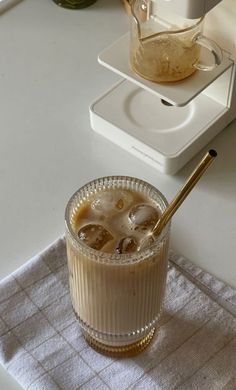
[[185, 190]]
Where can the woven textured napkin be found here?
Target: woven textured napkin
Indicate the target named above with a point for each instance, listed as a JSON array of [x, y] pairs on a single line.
[[41, 344]]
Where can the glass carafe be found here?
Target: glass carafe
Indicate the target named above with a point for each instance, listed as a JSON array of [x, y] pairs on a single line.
[[166, 47]]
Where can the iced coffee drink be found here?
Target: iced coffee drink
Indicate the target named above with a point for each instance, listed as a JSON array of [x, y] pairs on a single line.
[[117, 268]]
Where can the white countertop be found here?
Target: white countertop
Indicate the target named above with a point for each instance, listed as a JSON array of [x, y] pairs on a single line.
[[49, 75]]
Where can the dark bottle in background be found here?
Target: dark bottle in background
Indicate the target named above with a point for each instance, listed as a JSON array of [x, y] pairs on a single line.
[[74, 4]]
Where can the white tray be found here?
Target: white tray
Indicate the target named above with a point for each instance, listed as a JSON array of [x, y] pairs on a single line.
[[116, 58]]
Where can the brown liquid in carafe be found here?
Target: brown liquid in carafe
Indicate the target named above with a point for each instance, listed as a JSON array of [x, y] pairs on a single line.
[[165, 58]]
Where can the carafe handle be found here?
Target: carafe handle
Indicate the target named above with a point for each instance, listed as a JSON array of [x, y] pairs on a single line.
[[216, 53], [142, 15]]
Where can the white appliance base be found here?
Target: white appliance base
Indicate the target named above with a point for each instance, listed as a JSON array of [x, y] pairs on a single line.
[[164, 136]]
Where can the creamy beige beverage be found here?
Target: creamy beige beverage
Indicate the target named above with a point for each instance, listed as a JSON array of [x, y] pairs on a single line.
[[117, 270]]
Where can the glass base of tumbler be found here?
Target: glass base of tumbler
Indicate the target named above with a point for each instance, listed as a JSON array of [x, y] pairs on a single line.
[[120, 351], [74, 4]]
